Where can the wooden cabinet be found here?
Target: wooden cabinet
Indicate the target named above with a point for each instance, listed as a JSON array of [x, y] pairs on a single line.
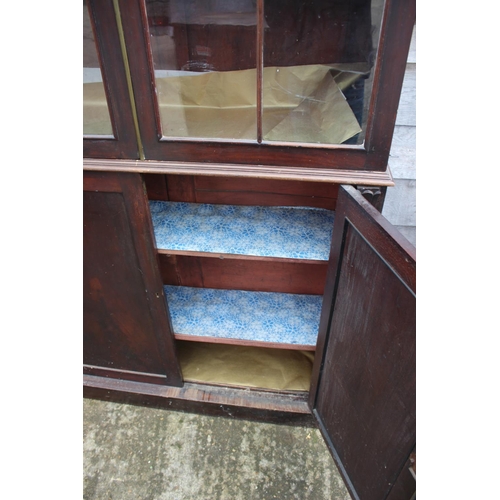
[[244, 276]]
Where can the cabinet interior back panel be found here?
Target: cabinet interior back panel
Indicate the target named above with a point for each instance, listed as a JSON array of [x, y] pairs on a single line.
[[236, 315], [285, 232]]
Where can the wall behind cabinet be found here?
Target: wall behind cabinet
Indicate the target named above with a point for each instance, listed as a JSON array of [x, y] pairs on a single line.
[[400, 202]]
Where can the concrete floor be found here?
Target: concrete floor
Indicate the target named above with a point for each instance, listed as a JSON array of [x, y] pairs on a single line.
[[139, 453]]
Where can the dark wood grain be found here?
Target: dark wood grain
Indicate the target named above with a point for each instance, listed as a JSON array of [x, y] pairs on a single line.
[[149, 378], [288, 409], [405, 485], [124, 142], [230, 47], [180, 270], [156, 187], [363, 390], [101, 181], [259, 48], [375, 195], [243, 342], [136, 32], [181, 188], [126, 326], [263, 199], [317, 32], [246, 273], [295, 32], [264, 192], [242, 171], [317, 189], [390, 244], [274, 154]]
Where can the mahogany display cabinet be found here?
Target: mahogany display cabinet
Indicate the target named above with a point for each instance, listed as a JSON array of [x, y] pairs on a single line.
[[235, 259]]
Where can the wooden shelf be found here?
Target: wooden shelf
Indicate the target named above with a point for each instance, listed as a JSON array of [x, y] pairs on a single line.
[[279, 320], [284, 232]]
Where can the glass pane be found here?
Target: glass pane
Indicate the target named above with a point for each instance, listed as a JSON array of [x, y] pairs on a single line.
[[96, 120], [318, 63], [204, 55]]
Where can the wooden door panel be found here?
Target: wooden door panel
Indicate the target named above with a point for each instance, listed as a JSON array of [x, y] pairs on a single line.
[[364, 398], [126, 329]]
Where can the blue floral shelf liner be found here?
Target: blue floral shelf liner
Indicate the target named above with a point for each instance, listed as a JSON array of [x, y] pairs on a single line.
[[236, 314], [288, 232]]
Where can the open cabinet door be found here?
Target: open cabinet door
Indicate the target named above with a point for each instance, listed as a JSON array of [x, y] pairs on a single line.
[[126, 331], [363, 391]]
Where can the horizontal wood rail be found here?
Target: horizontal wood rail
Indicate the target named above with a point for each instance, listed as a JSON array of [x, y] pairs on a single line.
[[310, 174]]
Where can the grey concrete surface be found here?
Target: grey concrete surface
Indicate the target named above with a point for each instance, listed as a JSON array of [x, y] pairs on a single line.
[[135, 453]]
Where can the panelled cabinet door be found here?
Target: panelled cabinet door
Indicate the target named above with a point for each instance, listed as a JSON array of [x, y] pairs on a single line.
[[127, 334], [363, 392]]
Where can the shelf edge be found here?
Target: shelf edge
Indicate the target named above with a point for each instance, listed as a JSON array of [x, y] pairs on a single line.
[[244, 342]]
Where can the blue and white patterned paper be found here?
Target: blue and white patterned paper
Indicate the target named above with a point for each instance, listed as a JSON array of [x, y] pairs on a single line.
[[236, 314], [289, 232]]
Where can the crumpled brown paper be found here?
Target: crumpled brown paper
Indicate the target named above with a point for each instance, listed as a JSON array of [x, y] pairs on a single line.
[[96, 119], [244, 366], [300, 104]]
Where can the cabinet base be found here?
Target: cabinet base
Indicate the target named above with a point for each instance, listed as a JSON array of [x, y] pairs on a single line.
[[271, 407]]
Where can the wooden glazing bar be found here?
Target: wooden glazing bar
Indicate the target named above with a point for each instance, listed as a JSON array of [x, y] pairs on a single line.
[[395, 39], [260, 65]]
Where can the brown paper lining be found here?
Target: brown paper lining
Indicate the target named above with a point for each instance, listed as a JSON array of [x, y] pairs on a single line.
[[243, 366], [96, 119], [300, 104]]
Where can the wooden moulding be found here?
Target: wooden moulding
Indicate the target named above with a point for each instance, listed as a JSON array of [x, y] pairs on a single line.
[[308, 174], [291, 409]]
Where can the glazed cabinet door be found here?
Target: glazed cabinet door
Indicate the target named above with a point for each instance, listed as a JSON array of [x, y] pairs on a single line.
[[127, 334], [108, 117], [292, 83], [363, 393]]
